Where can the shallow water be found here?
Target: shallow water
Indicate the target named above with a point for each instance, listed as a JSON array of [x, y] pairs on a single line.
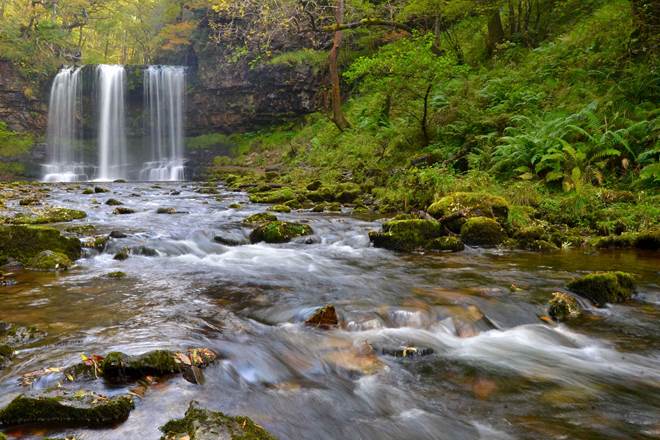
[[497, 371]]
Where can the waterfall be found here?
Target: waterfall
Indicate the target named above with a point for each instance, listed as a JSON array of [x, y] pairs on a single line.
[[65, 128], [113, 155], [164, 88], [149, 115]]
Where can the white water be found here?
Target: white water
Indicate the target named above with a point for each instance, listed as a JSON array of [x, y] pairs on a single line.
[[65, 128], [164, 88], [113, 155]]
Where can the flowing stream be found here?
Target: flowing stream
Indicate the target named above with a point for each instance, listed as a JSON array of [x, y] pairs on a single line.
[[496, 371]]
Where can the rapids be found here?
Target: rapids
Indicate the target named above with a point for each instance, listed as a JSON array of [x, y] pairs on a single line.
[[496, 372]]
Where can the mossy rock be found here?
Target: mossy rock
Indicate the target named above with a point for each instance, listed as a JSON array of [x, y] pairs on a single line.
[[333, 207], [482, 231], [259, 219], [319, 207], [49, 215], [117, 275], [235, 206], [67, 409], [100, 190], [342, 193], [6, 354], [453, 244], [280, 208], [279, 232], [81, 229], [604, 287], [456, 207], [122, 255], [277, 196], [17, 335], [201, 424], [25, 242], [294, 204], [99, 243], [648, 240], [113, 202], [406, 235], [88, 191], [28, 201], [123, 211], [563, 307], [50, 261]]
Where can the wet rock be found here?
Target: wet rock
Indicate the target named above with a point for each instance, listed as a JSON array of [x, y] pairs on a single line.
[[324, 317], [123, 211], [119, 181], [166, 211], [453, 244], [482, 231], [117, 234], [122, 255], [280, 208], [99, 243], [319, 207], [48, 215], [66, 409], [454, 209], [228, 241], [604, 287], [117, 275], [563, 307], [144, 251], [28, 201], [6, 354], [279, 232], [100, 189], [113, 202], [235, 206], [277, 196], [201, 424], [16, 335], [406, 351], [81, 229], [88, 191], [406, 235], [649, 240], [333, 207], [259, 219], [25, 242], [293, 204], [50, 261]]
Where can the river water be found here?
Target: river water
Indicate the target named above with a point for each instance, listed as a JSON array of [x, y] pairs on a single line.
[[497, 371]]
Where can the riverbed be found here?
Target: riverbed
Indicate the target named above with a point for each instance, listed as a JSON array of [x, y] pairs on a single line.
[[488, 366]]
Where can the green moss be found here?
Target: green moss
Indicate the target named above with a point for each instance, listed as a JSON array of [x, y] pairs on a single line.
[[470, 205], [118, 367], [343, 193], [88, 191], [280, 208], [113, 202], [81, 229], [25, 242], [81, 409], [235, 206], [604, 287], [649, 240], [49, 261], [482, 231], [279, 232], [200, 424], [123, 211], [406, 235], [117, 275], [453, 244], [276, 196], [563, 307], [49, 215], [122, 255], [100, 190], [259, 219]]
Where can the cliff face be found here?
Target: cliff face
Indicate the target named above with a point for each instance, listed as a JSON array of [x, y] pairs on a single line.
[[23, 106]]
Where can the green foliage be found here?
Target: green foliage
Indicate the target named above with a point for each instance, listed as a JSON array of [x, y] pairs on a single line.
[[13, 144], [315, 58]]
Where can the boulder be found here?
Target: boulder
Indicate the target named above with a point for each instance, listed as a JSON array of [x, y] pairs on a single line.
[[453, 244], [66, 409], [406, 235], [25, 242], [324, 317], [166, 211], [482, 231], [453, 209], [201, 424], [604, 287], [563, 307], [280, 208], [259, 219], [48, 215], [117, 275], [99, 243], [277, 196], [123, 211], [49, 261], [100, 189], [342, 192], [113, 202], [122, 255], [117, 234], [279, 232]]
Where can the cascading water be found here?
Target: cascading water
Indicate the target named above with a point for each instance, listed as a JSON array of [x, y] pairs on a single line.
[[164, 88], [65, 128], [113, 155]]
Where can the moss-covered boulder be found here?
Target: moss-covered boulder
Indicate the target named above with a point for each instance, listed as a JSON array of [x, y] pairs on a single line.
[[323, 317], [259, 219], [279, 232], [113, 202], [604, 287], [66, 409], [280, 208], [201, 424], [100, 190], [406, 235], [49, 261], [122, 255], [116, 275], [276, 196], [455, 208], [48, 215], [342, 192], [648, 240], [482, 231], [25, 242], [563, 307], [99, 243], [121, 210], [166, 211], [453, 244]]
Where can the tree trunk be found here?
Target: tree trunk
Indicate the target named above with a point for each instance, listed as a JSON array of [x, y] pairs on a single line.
[[333, 60], [425, 115], [646, 19], [495, 31], [512, 19]]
